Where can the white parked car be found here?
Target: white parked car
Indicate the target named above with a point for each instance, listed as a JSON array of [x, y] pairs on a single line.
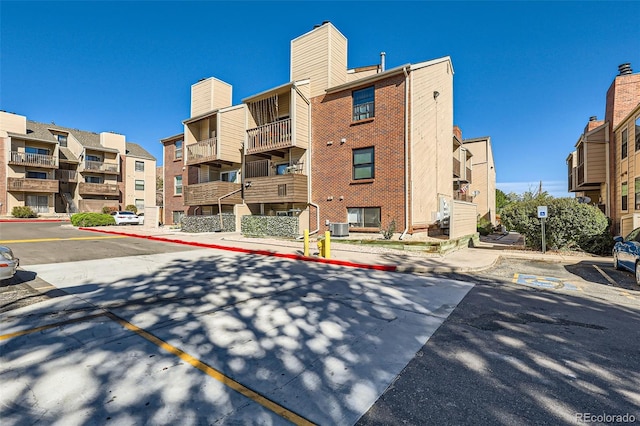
[[125, 218], [140, 218], [8, 263]]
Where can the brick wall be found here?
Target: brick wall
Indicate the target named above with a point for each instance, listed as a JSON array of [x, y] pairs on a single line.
[[172, 168], [332, 165]]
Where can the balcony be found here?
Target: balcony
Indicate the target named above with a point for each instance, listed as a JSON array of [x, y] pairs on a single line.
[[33, 160], [288, 188], [32, 185], [66, 175], [468, 175], [101, 167], [270, 137], [460, 196], [202, 152], [104, 189], [202, 194]]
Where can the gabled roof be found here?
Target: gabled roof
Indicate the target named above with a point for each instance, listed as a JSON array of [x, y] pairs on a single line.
[[135, 150]]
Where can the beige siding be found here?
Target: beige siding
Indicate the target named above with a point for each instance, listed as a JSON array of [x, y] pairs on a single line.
[[209, 94], [148, 176], [113, 141], [13, 122], [628, 223], [430, 135], [231, 134], [301, 122], [595, 162], [463, 219], [484, 177], [320, 55]]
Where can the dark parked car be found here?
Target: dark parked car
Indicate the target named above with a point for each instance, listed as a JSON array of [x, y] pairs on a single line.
[[626, 253]]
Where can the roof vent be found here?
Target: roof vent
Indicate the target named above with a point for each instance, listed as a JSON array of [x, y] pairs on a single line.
[[326, 22], [625, 69], [383, 55], [316, 26], [593, 118]]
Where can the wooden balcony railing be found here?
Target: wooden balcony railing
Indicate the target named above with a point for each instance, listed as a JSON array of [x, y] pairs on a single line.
[[262, 168], [456, 168], [101, 167], [460, 196], [201, 194], [580, 174], [34, 160], [107, 189], [202, 151], [66, 175], [289, 188], [32, 185], [468, 175], [272, 136]]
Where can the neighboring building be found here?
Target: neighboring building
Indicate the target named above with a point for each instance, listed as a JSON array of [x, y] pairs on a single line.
[[482, 189], [358, 148], [627, 132], [55, 169], [174, 172], [602, 169]]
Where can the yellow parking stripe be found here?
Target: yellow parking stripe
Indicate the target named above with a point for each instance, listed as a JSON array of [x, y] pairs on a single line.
[[212, 372], [48, 326], [41, 240]]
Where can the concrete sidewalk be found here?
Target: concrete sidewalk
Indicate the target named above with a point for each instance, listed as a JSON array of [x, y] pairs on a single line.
[[490, 250]]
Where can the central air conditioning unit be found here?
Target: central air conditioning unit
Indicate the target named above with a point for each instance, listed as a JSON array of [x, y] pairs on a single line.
[[339, 229]]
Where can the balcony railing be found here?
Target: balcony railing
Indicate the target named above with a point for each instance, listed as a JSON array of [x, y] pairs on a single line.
[[32, 185], [101, 167], [468, 175], [460, 196], [272, 136], [202, 151], [66, 175], [262, 168], [456, 168], [201, 194], [289, 188], [107, 189], [580, 174], [34, 160]]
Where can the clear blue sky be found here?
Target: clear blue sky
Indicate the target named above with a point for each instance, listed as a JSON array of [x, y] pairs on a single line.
[[528, 74]]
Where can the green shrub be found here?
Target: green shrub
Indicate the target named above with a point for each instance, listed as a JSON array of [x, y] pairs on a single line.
[[23, 212], [388, 232], [569, 225], [109, 209], [131, 208], [484, 226], [92, 219]]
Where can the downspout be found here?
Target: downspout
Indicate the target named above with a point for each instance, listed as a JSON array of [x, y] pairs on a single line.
[[311, 203], [220, 205], [406, 153]]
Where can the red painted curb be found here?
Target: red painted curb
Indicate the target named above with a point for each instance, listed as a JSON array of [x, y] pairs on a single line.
[[32, 220], [388, 268]]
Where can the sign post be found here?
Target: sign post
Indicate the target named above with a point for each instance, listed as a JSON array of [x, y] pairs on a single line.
[[542, 214]]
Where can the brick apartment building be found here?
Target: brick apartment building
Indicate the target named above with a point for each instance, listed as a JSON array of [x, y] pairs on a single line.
[[357, 147], [56, 170], [604, 169]]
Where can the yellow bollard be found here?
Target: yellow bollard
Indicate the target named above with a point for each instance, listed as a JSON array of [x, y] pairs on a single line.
[[320, 247], [327, 244], [306, 243]]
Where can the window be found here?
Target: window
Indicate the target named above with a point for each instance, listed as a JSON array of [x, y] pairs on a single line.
[[363, 104], [624, 195], [637, 193], [177, 215], [39, 151], [364, 217], [177, 181], [93, 179], [139, 204], [38, 203], [228, 176], [178, 150], [37, 175], [637, 133], [139, 166], [139, 185], [90, 157], [623, 145], [62, 139], [363, 163]]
